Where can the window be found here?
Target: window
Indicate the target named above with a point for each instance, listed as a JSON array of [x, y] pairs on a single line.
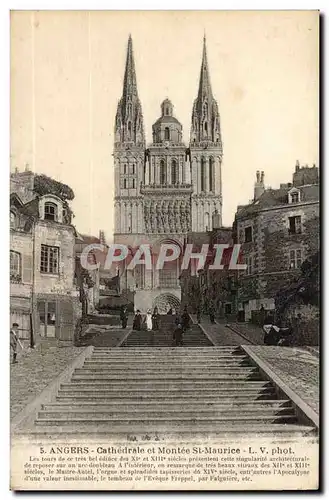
[[248, 234], [124, 183], [130, 223], [211, 163], [174, 176], [163, 173], [125, 168], [295, 225], [129, 127], [139, 274], [12, 220], [15, 266], [167, 111], [206, 127], [49, 259], [167, 134], [294, 197], [203, 175], [50, 211], [168, 278], [133, 184], [133, 169], [295, 259]]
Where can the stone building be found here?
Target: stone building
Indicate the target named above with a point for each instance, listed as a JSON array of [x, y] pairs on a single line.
[[165, 189], [278, 230], [42, 260], [209, 287]]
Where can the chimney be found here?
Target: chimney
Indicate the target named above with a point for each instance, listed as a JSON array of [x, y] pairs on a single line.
[[216, 220], [297, 165], [259, 185]]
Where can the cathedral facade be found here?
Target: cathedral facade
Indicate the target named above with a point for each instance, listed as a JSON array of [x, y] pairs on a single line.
[[165, 189]]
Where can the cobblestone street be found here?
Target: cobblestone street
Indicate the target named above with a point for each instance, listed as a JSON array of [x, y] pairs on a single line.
[[35, 369], [297, 367]]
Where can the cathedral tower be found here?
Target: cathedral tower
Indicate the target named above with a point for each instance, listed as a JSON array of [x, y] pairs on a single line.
[[129, 147], [163, 190], [205, 153]]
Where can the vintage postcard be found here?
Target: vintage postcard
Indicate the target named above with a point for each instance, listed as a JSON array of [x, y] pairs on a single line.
[[164, 250]]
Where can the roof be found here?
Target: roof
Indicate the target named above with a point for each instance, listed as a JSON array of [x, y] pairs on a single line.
[[88, 239], [275, 197], [166, 119]]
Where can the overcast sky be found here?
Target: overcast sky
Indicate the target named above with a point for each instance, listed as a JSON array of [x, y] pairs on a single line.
[[66, 79]]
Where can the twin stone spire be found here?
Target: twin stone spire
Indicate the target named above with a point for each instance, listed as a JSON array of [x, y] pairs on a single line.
[[129, 125]]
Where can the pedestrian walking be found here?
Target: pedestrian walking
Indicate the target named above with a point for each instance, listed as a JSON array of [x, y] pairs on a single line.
[[14, 340], [185, 319], [212, 314], [178, 335], [155, 319], [148, 320], [137, 323], [124, 317]]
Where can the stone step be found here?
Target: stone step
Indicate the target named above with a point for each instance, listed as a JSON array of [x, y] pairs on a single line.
[[173, 376], [150, 392], [179, 363], [191, 432], [179, 420], [176, 397], [163, 371], [166, 360], [179, 375], [167, 414], [203, 350], [227, 385], [169, 405]]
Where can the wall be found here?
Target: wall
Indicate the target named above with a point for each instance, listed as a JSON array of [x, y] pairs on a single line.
[[55, 234]]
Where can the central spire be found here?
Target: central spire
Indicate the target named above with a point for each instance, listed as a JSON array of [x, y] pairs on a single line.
[[204, 83]]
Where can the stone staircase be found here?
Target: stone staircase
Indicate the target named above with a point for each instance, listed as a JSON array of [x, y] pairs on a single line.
[[163, 337], [185, 390]]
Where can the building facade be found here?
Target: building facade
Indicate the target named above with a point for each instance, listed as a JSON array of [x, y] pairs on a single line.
[[42, 262], [278, 231], [165, 189]]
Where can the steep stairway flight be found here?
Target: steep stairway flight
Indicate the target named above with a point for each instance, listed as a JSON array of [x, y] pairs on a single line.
[[163, 389]]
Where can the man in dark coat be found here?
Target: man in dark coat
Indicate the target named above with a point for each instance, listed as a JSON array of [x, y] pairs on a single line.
[[185, 319], [14, 341], [212, 314], [178, 335], [137, 324], [155, 319], [124, 317]]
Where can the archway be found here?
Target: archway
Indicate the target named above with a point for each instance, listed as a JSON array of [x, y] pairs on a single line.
[[166, 301]]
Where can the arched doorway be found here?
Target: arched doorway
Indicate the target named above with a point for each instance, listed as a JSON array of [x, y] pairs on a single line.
[[166, 301]]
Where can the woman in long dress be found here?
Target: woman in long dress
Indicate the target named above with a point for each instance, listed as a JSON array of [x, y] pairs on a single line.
[[148, 321]]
